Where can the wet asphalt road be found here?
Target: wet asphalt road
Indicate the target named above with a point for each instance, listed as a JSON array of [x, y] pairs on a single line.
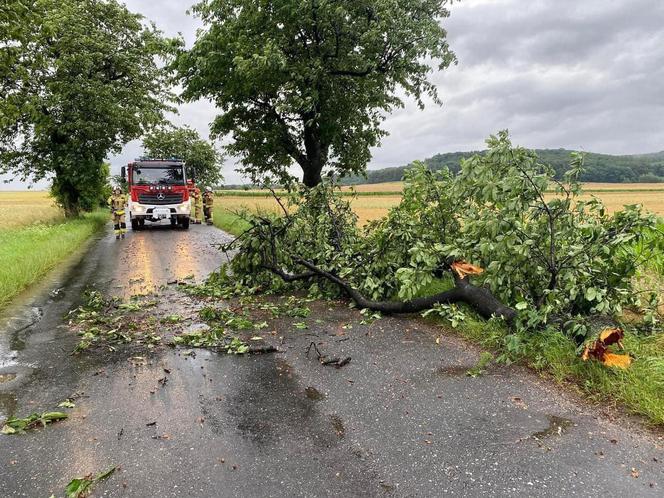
[[402, 419]]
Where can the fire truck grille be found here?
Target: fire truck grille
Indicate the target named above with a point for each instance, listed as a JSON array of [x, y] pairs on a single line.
[[160, 198]]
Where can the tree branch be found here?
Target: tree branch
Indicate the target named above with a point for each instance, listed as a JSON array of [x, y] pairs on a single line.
[[478, 298]]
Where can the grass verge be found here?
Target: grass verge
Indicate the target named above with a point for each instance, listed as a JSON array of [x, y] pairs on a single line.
[[229, 222], [29, 252], [640, 389]]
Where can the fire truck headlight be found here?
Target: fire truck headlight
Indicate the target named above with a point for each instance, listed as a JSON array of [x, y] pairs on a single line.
[[184, 207], [138, 208]]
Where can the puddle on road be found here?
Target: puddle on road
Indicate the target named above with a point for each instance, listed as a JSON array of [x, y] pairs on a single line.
[[15, 324], [557, 426], [314, 394]]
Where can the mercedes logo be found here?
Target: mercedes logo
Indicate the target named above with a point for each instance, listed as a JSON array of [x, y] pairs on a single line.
[[161, 196]]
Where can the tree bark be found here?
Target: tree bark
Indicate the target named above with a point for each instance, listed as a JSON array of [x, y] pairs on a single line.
[[67, 195], [316, 151], [311, 176], [480, 299]]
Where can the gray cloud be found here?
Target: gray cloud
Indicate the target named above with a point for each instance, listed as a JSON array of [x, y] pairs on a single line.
[[560, 73], [557, 73]]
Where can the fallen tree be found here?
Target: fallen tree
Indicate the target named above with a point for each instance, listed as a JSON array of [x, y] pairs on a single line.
[[481, 300], [547, 254]]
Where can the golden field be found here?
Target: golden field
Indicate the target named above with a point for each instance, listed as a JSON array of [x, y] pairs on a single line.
[[590, 187], [367, 208], [25, 208], [651, 196]]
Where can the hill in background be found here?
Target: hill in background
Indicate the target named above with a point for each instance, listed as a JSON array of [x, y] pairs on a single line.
[[603, 168]]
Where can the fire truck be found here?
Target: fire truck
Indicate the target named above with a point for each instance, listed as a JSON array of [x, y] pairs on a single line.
[[157, 191]]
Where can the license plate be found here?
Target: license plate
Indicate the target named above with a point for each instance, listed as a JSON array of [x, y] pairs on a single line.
[[162, 213]]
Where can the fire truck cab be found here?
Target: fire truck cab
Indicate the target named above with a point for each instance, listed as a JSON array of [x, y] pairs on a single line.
[[157, 191]]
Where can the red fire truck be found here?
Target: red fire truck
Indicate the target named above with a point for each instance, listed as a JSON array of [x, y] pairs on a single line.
[[157, 191]]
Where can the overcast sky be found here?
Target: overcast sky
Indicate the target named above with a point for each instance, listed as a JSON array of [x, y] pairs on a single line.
[[585, 75]]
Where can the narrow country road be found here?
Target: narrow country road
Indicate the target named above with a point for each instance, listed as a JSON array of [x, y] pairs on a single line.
[[401, 419]]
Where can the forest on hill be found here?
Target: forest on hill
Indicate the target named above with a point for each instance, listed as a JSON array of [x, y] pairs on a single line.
[[605, 168]]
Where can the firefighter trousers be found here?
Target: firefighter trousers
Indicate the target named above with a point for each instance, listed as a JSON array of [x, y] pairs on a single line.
[[119, 223], [207, 211]]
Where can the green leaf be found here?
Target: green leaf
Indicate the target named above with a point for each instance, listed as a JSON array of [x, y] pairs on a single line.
[[78, 487]]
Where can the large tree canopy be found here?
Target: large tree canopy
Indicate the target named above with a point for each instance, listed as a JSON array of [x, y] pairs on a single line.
[[185, 143], [309, 81], [83, 81]]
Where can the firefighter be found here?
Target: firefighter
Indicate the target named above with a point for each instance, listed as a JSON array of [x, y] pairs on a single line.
[[208, 203], [192, 197], [117, 203], [199, 206]]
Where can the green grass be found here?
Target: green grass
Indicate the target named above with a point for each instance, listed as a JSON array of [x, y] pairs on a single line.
[[229, 222], [640, 389], [28, 253]]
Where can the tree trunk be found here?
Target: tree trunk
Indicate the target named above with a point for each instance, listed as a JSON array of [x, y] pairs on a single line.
[[311, 176], [67, 195], [316, 152], [72, 211]]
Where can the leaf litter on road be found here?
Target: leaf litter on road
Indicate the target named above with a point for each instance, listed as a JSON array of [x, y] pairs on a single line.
[[15, 425], [79, 487]]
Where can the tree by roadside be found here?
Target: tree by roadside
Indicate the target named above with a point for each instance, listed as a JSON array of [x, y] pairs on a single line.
[[310, 81], [81, 79], [185, 143]]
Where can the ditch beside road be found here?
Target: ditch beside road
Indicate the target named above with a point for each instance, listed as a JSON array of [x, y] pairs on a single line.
[[402, 418]]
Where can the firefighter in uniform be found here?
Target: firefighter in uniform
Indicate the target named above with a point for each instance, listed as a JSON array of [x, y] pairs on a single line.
[[199, 206], [117, 203], [208, 203], [192, 197]]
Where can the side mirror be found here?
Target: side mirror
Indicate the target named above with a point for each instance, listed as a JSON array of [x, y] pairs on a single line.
[[123, 173]]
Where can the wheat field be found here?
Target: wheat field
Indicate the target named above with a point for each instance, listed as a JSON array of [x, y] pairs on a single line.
[[26, 208], [368, 208], [590, 187]]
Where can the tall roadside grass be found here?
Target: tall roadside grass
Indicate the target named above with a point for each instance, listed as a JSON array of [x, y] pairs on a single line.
[[640, 389], [28, 253], [229, 222]]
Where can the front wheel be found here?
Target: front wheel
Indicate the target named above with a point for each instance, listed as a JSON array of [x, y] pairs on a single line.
[[135, 224], [185, 223]]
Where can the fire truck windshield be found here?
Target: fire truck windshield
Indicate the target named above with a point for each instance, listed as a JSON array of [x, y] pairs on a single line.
[[163, 175]]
